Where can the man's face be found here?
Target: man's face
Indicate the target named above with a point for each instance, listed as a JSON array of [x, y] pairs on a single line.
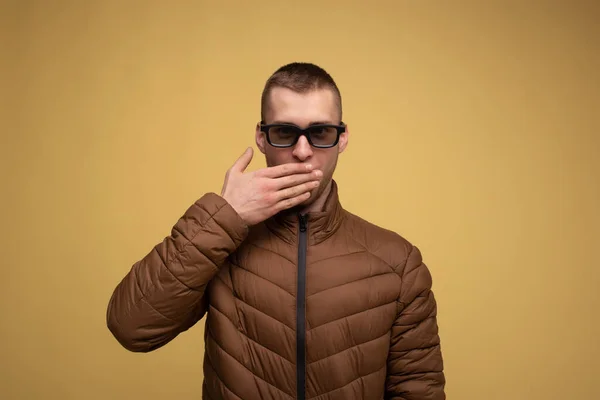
[[303, 109]]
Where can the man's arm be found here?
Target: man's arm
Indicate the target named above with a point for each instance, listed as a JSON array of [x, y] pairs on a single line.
[[163, 293], [415, 365]]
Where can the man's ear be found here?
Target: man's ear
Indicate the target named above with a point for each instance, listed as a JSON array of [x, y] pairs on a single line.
[[260, 139], [343, 143]]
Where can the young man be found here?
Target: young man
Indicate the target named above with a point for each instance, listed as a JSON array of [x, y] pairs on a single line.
[[302, 298]]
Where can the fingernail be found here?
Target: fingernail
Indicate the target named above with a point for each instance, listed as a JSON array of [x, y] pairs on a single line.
[[308, 166], [318, 173]]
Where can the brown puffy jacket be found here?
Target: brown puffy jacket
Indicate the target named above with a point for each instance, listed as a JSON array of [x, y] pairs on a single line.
[[327, 306]]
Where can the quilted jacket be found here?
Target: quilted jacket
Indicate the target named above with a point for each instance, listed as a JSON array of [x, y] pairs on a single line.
[[323, 306]]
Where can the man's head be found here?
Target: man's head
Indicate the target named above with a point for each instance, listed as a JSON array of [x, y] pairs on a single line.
[[302, 95]]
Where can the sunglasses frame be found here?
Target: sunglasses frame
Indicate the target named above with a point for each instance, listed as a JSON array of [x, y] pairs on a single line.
[[302, 132]]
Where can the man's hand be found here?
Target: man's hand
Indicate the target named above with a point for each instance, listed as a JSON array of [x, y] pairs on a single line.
[[256, 196]]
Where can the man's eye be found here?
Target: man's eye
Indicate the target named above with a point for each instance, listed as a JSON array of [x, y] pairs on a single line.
[[285, 131]]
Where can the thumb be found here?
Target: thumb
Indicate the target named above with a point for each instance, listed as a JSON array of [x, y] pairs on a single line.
[[243, 161]]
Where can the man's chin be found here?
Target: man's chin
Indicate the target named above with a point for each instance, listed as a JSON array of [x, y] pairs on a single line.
[[306, 204], [315, 194], [302, 207]]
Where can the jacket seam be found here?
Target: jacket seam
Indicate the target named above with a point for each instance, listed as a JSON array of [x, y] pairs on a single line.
[[400, 305], [139, 288], [350, 348], [218, 375], [177, 253], [373, 254], [190, 241], [261, 277], [349, 283], [144, 296], [404, 352], [264, 313], [343, 255], [350, 315], [413, 325], [156, 311], [211, 217], [252, 340], [176, 258], [405, 261], [351, 382], [273, 252], [245, 367]]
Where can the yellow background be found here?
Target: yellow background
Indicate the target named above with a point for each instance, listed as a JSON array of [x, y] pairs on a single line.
[[475, 134]]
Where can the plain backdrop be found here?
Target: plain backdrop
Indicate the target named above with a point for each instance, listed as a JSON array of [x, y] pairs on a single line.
[[475, 134]]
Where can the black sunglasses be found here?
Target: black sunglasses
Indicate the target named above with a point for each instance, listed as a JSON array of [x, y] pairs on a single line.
[[322, 136]]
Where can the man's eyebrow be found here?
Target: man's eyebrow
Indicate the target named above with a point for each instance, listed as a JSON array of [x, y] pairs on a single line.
[[310, 124]]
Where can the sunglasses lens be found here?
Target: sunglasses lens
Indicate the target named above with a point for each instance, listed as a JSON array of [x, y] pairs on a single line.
[[323, 136], [282, 135]]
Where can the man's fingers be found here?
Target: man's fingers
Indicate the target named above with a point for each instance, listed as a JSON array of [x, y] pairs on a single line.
[[296, 179], [286, 169], [297, 190], [243, 161]]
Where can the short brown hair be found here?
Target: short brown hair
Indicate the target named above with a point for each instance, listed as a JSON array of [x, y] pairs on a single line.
[[301, 77]]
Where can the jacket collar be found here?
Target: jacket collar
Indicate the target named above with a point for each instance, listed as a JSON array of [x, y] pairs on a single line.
[[320, 224]]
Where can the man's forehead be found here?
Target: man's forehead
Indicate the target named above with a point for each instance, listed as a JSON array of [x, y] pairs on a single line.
[[310, 106]]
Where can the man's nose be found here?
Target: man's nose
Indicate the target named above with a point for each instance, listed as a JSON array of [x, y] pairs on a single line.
[[302, 149]]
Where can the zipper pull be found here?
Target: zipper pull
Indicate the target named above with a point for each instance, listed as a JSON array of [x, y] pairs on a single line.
[[302, 219]]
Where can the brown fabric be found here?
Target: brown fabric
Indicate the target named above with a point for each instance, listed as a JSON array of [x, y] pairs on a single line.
[[371, 330]]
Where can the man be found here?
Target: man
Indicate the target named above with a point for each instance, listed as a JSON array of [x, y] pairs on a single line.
[[302, 298]]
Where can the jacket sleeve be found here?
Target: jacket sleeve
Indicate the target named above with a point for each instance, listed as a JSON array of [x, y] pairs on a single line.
[[415, 365], [164, 293]]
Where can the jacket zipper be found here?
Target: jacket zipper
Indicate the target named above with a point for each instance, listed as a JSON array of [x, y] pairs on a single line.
[[301, 312]]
